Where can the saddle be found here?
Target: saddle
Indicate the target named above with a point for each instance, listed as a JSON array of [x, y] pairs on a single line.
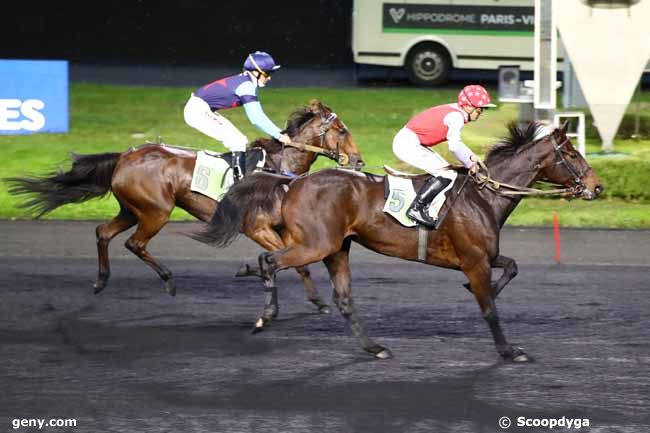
[[396, 173], [213, 174], [399, 192]]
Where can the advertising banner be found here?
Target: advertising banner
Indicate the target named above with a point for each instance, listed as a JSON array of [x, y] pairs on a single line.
[[488, 20], [33, 96]]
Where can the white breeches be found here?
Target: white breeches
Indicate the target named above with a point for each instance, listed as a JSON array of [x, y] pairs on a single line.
[[407, 147], [198, 115]]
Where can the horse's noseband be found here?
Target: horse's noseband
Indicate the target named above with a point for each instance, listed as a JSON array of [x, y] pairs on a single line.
[[578, 185], [336, 155]]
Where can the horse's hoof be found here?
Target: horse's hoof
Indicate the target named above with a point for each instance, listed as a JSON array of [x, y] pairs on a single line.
[[323, 308], [170, 286], [384, 354], [517, 355], [99, 286], [380, 352], [243, 271], [270, 313], [521, 358], [259, 325]]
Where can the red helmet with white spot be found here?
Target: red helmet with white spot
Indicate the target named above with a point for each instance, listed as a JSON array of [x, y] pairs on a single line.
[[474, 95]]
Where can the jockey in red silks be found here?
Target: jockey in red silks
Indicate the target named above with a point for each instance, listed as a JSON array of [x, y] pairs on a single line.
[[414, 143], [201, 110]]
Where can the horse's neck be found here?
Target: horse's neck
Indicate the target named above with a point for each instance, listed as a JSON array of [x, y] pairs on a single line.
[[289, 159], [296, 161], [513, 173]]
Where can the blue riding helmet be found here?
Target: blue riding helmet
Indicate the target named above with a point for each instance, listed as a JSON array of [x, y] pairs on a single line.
[[261, 62]]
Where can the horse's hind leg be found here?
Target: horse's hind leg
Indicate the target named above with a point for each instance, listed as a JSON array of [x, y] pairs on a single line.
[[271, 295], [270, 240], [339, 269], [148, 227], [293, 257], [479, 277], [105, 232], [247, 270], [509, 272]]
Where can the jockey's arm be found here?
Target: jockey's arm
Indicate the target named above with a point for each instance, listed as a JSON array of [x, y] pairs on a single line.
[[259, 119], [455, 123], [254, 111]]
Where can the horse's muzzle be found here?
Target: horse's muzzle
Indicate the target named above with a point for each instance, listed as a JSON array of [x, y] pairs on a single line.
[[356, 162], [588, 194]]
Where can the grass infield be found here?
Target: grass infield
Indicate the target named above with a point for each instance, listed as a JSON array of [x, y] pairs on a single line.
[[113, 118]]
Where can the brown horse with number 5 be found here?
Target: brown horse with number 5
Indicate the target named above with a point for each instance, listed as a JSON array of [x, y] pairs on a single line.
[[321, 214]]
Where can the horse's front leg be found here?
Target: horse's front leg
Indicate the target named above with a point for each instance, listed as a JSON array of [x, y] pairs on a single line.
[[509, 272], [312, 292], [479, 275]]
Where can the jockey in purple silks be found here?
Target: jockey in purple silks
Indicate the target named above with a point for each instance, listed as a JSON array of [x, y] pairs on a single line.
[[202, 109]]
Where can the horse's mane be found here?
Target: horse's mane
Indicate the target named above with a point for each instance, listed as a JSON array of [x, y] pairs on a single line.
[[298, 118], [517, 140]]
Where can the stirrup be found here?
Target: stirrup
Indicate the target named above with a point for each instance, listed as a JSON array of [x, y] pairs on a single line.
[[238, 165]]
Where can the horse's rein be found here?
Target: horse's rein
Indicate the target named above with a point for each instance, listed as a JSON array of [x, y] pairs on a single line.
[[340, 157], [486, 181]]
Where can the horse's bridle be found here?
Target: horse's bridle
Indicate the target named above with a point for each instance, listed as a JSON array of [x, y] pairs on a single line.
[[336, 155], [496, 186], [578, 185]]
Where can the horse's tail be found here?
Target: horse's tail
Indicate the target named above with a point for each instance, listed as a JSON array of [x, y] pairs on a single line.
[[256, 194], [89, 177]]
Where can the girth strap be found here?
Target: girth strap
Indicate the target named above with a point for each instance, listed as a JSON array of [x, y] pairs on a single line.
[[423, 238]]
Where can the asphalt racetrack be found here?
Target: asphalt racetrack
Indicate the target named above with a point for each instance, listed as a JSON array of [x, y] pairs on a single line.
[[134, 359]]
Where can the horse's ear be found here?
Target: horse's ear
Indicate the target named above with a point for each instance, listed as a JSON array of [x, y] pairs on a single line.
[[564, 127], [315, 106]]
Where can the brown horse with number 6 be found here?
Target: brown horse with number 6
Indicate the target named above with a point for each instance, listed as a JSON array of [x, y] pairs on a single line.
[[150, 180]]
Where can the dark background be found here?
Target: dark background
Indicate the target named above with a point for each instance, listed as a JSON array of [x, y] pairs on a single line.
[[187, 32]]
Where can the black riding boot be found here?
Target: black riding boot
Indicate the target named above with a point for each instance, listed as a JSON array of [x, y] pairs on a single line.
[[419, 209], [238, 165]]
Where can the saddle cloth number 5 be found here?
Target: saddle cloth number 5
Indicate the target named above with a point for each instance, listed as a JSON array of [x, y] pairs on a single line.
[[397, 200]]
